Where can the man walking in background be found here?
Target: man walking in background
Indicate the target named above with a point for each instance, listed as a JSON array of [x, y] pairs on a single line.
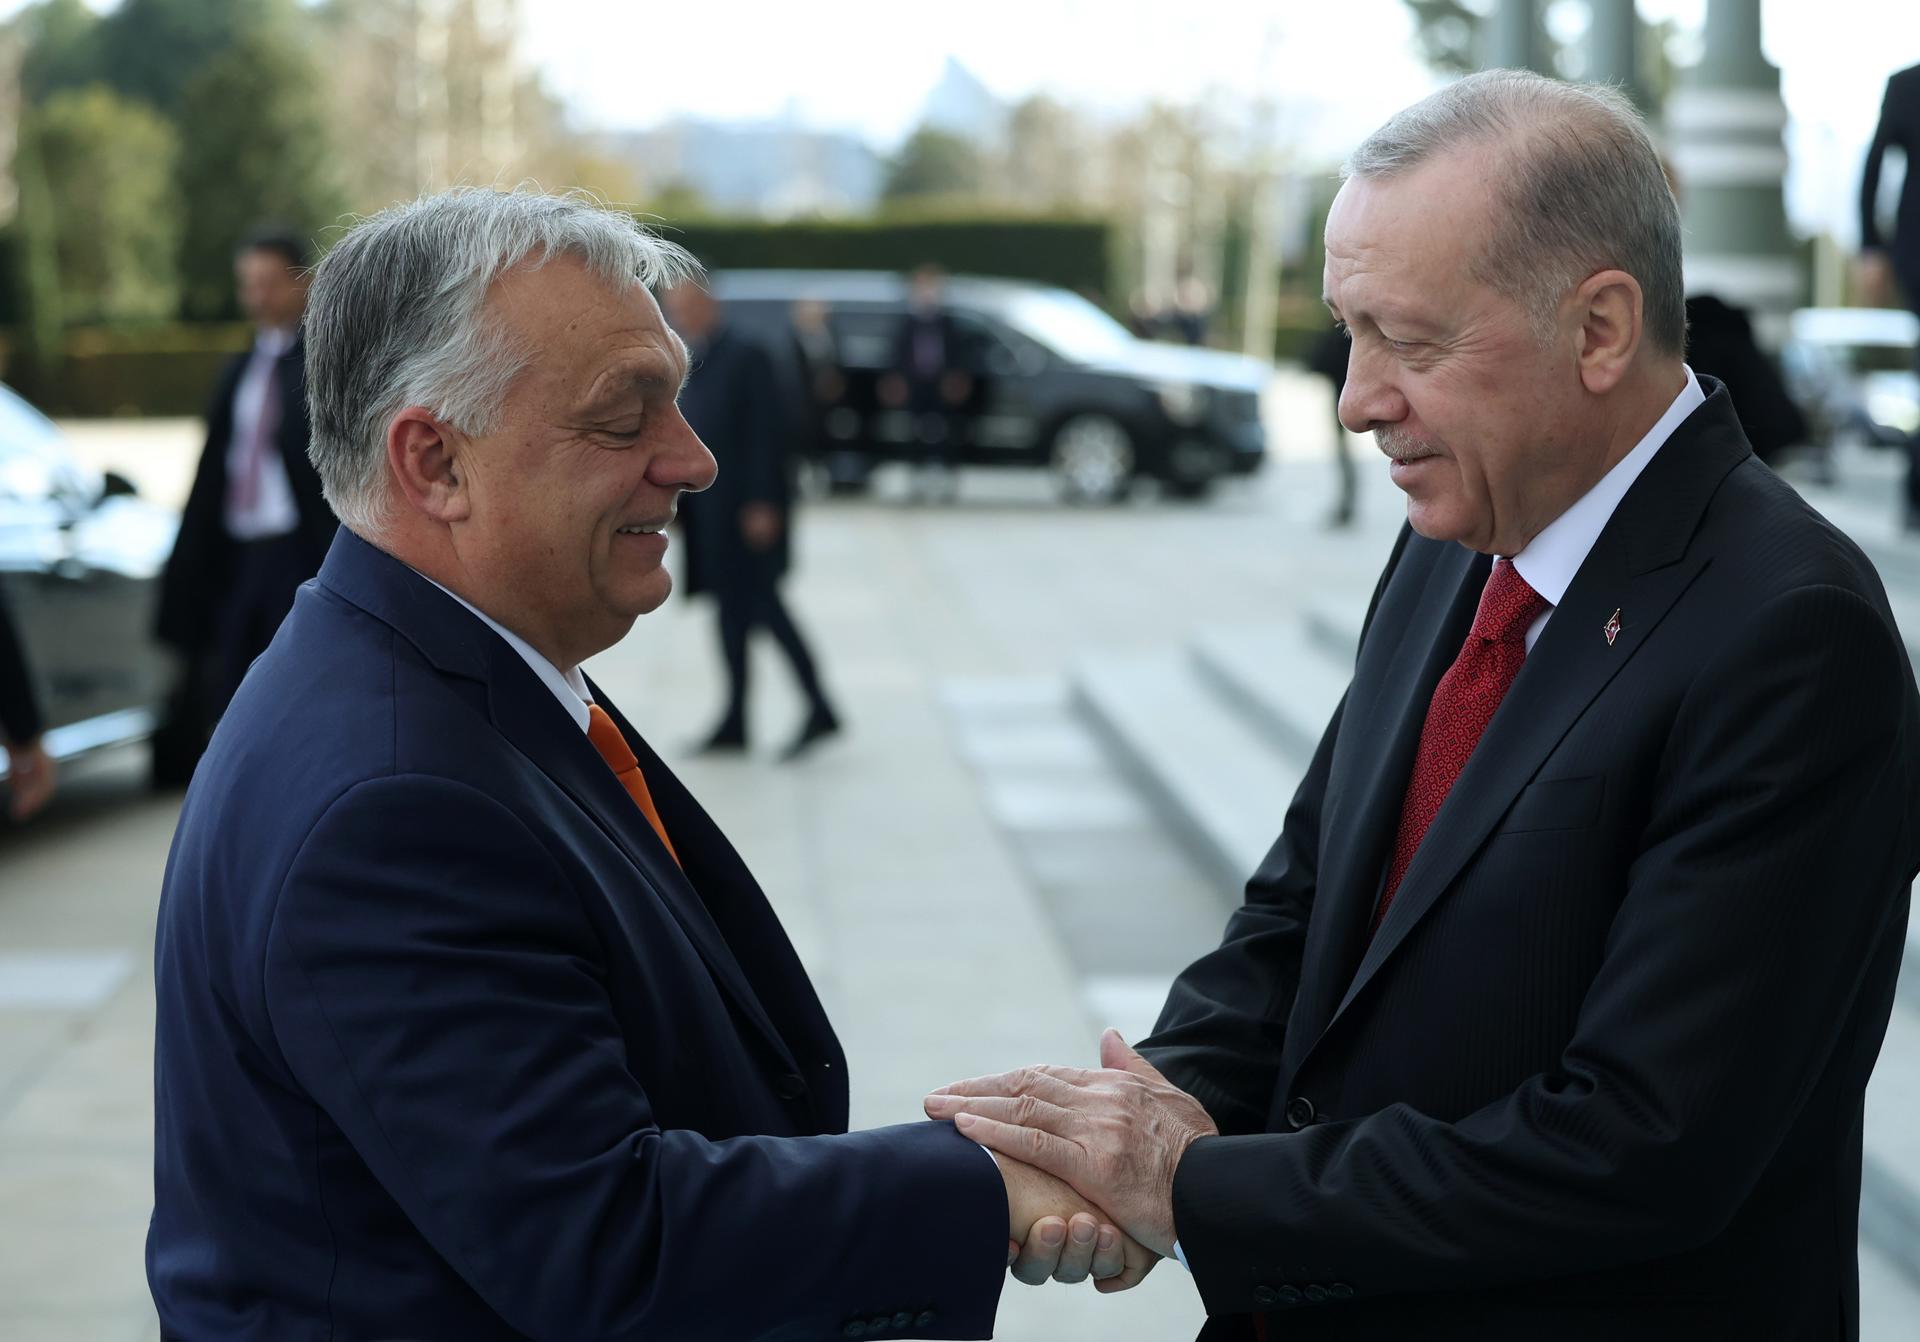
[[1886, 261], [255, 525], [30, 769], [740, 532]]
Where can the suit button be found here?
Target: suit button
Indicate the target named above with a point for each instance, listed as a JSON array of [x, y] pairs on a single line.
[[1265, 1295], [1299, 1112], [1340, 1291], [925, 1320], [1316, 1295], [902, 1320], [1289, 1296], [854, 1331], [791, 1086]]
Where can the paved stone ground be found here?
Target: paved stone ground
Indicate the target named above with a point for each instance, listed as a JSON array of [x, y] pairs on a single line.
[[968, 882]]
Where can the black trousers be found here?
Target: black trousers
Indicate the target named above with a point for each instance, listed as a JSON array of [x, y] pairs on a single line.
[[1913, 463], [261, 581], [745, 606]]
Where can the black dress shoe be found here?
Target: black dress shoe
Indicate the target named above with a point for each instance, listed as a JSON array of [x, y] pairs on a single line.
[[820, 724], [727, 739]]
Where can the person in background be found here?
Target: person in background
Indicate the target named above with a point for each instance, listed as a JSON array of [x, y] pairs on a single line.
[[929, 376], [255, 525], [1885, 261], [739, 533], [1328, 358], [31, 772]]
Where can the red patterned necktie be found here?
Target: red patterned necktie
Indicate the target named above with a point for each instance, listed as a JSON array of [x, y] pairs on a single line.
[[1463, 704]]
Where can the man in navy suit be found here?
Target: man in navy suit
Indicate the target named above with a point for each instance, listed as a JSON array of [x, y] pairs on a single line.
[[472, 1025], [1551, 1011]]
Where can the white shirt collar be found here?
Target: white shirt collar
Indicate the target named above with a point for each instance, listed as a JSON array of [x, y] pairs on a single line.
[[1556, 554], [569, 687], [273, 341]]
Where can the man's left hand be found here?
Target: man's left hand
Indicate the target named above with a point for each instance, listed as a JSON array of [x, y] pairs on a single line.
[[1116, 1135]]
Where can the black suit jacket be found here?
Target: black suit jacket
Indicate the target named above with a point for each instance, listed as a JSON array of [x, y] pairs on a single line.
[[1600, 1073], [449, 1049], [1899, 126], [198, 569], [742, 409]]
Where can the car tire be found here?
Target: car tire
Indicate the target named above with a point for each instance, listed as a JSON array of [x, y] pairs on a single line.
[[849, 473], [1093, 459]]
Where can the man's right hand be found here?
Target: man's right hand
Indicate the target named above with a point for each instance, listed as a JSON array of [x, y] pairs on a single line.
[[1065, 1237]]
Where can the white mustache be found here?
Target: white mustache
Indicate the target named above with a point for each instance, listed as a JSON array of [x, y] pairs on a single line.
[[1403, 446]]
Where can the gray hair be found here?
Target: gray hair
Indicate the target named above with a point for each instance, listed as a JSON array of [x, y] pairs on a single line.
[[1580, 190], [396, 317]]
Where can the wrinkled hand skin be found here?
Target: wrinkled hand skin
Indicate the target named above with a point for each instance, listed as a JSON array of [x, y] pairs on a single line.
[[1116, 1134]]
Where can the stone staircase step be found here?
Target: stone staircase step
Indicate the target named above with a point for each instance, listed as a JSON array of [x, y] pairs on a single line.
[[1282, 680], [1220, 787]]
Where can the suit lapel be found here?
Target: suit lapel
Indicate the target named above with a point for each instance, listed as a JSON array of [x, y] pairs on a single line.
[[1380, 729], [1639, 567], [526, 713]]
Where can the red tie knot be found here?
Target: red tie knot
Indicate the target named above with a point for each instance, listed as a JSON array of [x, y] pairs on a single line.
[[1508, 607]]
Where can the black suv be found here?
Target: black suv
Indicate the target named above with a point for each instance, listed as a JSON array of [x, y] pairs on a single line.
[[1055, 383]]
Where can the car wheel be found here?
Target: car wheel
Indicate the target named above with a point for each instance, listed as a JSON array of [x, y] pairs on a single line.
[[849, 473], [1093, 459]]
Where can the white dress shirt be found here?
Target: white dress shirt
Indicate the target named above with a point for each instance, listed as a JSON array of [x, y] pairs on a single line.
[[1552, 558], [273, 511]]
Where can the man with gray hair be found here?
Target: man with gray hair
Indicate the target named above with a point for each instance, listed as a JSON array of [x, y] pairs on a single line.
[[472, 1025], [1551, 1011]]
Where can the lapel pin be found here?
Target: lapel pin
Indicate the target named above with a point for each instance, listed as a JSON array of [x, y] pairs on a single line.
[[1612, 631]]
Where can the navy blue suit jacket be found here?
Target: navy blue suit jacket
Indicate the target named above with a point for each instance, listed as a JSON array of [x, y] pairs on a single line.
[[449, 1048]]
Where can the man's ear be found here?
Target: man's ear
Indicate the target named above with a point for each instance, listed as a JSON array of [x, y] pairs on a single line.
[[424, 455], [1611, 310]]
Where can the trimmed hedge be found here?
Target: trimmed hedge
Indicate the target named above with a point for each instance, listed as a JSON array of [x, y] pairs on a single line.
[[136, 370], [1072, 253]]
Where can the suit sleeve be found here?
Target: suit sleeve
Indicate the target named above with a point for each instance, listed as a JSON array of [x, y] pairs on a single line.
[[1769, 887], [435, 989], [1221, 1033], [20, 720], [764, 424]]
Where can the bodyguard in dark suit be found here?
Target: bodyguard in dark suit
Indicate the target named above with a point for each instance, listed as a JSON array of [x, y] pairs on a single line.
[[1897, 257], [31, 772], [1551, 1011], [740, 532], [471, 1024], [255, 525]]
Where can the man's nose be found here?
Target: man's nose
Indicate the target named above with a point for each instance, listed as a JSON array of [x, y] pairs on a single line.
[[1370, 397], [683, 461]]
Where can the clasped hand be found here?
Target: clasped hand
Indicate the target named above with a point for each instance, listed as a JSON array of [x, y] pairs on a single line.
[[1114, 1135]]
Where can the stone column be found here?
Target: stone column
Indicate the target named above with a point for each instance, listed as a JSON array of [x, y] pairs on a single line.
[[1613, 48], [1510, 37], [1724, 122]]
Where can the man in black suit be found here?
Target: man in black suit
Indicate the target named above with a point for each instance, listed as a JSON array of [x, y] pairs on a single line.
[[928, 374], [255, 526], [1551, 1011], [1886, 260], [30, 769], [739, 533]]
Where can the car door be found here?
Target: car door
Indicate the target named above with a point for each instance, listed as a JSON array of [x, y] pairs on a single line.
[[1001, 421], [81, 566]]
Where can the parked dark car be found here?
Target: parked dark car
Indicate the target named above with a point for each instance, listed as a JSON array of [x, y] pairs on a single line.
[[80, 555], [1056, 384]]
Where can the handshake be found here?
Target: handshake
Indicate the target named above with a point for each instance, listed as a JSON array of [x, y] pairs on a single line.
[[1088, 1158]]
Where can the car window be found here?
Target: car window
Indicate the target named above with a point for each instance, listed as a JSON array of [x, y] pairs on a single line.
[[864, 335], [35, 462], [1066, 323]]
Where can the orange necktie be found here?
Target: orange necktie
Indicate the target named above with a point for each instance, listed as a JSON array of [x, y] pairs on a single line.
[[618, 754]]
